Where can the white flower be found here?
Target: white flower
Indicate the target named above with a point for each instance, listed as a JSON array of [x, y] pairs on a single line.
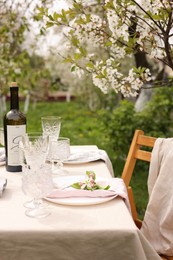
[[79, 72], [17, 70], [157, 53]]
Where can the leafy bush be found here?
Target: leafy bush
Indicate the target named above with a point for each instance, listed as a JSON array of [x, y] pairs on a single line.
[[155, 120]]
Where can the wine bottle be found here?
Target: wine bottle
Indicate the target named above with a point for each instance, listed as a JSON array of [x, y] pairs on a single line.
[[14, 128]]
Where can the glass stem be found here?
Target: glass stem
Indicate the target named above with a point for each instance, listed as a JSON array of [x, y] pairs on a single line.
[[37, 203]]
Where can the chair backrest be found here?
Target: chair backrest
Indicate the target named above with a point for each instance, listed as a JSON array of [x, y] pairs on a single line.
[[137, 152]]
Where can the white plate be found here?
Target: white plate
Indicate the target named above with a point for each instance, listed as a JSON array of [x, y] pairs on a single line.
[[90, 158], [2, 163], [80, 201], [2, 150], [81, 161], [76, 201]]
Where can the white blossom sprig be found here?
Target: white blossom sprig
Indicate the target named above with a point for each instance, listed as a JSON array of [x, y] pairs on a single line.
[[122, 29], [89, 183]]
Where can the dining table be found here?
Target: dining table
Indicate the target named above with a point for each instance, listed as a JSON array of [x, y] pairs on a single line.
[[103, 230]]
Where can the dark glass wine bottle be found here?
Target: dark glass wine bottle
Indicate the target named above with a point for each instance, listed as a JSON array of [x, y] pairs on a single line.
[[14, 128]]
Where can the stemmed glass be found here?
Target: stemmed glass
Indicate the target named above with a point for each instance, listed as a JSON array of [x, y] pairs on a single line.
[[25, 146], [59, 151], [37, 183], [37, 180], [34, 148], [51, 126]]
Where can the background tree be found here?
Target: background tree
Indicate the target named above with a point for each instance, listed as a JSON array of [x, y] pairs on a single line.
[[18, 60], [122, 29]]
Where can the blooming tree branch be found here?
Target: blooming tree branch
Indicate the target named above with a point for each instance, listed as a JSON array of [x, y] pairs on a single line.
[[121, 28]]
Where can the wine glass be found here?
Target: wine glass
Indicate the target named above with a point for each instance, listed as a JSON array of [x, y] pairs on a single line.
[[37, 183], [51, 126], [34, 148], [59, 151], [33, 152]]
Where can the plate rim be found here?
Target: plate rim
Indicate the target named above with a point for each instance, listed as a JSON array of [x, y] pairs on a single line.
[[67, 202], [2, 163]]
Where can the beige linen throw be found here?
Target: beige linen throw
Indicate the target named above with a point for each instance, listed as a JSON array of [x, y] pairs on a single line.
[[158, 220]]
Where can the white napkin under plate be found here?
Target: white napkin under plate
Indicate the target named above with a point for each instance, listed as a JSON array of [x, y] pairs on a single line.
[[82, 155], [117, 188]]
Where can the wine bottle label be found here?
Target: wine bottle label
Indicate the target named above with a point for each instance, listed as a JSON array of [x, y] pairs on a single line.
[[14, 135]]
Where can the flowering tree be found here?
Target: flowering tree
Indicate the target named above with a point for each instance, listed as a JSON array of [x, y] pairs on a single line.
[[16, 62], [15, 59], [12, 27], [122, 28]]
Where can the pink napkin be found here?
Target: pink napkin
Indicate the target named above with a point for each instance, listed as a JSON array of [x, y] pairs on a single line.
[[117, 188]]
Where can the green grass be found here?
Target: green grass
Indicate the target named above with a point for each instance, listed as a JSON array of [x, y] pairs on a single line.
[[79, 124], [85, 127], [139, 185]]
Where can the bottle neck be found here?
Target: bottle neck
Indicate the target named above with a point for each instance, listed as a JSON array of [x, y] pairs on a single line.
[[14, 99]]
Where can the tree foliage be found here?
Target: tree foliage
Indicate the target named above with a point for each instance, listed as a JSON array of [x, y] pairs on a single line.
[[120, 28], [15, 59]]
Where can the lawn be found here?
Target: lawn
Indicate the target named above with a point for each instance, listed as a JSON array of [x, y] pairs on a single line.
[[78, 123]]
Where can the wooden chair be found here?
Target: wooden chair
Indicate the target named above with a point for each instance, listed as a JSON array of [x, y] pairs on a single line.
[[137, 151]]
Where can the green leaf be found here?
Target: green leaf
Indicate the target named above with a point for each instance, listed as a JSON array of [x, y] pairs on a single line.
[[77, 56], [107, 187], [68, 59], [88, 18], [83, 51], [90, 65], [108, 44], [73, 68], [49, 24], [100, 76], [105, 72], [56, 16], [109, 5], [77, 6], [64, 18], [91, 172], [74, 40], [41, 10], [50, 17], [76, 186]]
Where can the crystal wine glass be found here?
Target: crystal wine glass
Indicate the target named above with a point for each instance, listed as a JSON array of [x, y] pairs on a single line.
[[34, 148], [59, 151], [37, 183], [33, 152], [51, 126]]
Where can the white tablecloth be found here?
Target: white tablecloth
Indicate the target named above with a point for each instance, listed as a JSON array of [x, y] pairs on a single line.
[[100, 232]]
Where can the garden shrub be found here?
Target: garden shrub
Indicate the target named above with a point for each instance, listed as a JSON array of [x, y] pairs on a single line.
[[120, 123]]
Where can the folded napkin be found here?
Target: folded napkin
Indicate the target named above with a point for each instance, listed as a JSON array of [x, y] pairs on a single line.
[[2, 154], [92, 155], [158, 220], [117, 188]]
